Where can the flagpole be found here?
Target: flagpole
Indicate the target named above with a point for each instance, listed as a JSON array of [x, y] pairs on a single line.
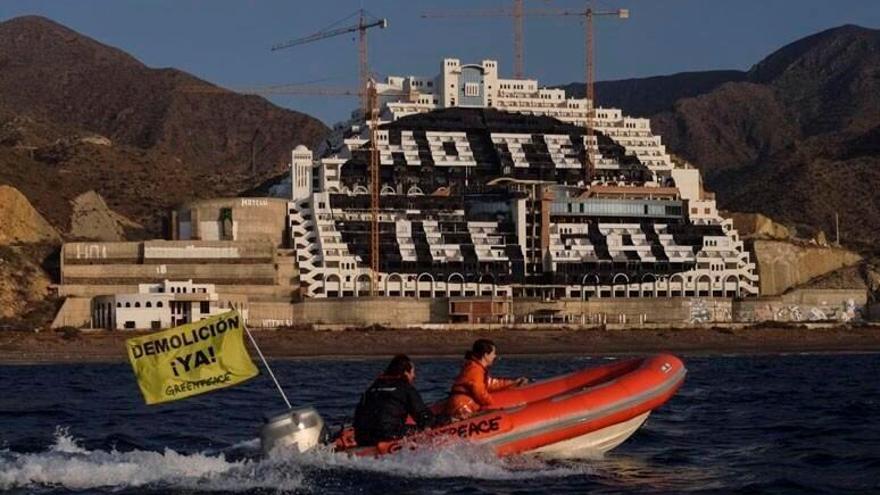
[[266, 363]]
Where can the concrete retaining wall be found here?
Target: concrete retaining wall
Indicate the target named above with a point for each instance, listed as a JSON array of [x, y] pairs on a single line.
[[620, 310], [805, 305], [74, 312], [799, 306], [132, 274], [360, 312], [783, 265], [97, 252], [410, 311], [160, 251], [203, 272]]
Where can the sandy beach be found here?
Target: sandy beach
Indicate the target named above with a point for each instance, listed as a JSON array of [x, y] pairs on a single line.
[[102, 346]]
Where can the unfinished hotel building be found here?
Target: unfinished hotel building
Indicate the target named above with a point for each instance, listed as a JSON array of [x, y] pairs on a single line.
[[483, 194]]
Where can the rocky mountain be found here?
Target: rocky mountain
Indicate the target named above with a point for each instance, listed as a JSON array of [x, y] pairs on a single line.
[[21, 222], [797, 137], [77, 115], [26, 241], [647, 96]]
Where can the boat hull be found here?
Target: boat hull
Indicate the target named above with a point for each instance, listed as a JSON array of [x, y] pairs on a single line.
[[593, 444], [582, 413]]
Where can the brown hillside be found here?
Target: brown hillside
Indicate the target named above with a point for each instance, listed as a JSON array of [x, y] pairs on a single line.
[[166, 145], [21, 223], [139, 184], [24, 284]]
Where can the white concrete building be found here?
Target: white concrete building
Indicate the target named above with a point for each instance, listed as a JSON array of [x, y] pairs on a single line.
[[157, 306], [692, 252]]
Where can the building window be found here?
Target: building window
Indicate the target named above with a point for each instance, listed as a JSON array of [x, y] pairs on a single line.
[[148, 304], [159, 304], [137, 304], [204, 307], [128, 305]]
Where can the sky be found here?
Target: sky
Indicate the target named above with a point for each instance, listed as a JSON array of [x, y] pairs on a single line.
[[227, 42]]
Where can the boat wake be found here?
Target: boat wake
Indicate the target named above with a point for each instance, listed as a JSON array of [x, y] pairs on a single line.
[[67, 465]]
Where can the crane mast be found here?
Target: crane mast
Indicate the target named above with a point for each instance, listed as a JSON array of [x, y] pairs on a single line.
[[369, 104], [361, 28], [373, 98]]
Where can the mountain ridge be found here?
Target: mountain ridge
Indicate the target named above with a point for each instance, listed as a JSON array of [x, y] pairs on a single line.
[[164, 127], [796, 137]]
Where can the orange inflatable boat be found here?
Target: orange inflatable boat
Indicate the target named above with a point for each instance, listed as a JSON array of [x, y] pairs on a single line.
[[588, 411]]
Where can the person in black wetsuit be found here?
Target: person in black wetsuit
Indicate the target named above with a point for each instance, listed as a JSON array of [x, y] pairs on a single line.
[[382, 411]]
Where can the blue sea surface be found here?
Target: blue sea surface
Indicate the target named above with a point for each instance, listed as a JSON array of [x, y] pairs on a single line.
[[740, 424]]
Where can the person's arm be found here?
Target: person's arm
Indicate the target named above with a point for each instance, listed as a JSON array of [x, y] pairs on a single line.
[[417, 410], [498, 384]]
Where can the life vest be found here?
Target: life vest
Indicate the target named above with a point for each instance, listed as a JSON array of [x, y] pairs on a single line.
[[472, 390]]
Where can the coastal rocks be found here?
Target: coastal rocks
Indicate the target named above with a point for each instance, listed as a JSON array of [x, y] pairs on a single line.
[[92, 219], [21, 223], [783, 265], [757, 226]]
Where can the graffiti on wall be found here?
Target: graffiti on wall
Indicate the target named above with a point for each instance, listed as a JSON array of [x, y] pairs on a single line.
[[90, 251], [845, 311], [699, 311], [708, 310]]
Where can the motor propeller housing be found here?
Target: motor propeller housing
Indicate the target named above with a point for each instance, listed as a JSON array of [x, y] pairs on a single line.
[[299, 429]]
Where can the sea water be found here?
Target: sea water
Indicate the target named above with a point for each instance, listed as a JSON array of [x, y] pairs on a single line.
[[740, 424]]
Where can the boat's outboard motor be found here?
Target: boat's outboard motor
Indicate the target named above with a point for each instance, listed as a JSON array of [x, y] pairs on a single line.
[[301, 429]]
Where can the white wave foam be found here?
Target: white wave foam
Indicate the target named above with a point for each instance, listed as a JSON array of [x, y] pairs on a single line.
[[65, 443], [68, 465], [252, 444], [449, 461]]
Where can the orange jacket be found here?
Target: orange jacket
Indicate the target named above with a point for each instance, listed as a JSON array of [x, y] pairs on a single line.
[[471, 390]]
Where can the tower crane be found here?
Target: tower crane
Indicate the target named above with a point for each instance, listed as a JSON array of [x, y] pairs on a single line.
[[361, 28], [589, 84], [369, 106], [518, 13]]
